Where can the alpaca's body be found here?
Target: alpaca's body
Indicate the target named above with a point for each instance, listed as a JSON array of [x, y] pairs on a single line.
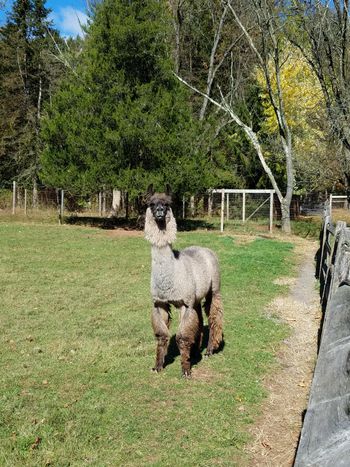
[[183, 279]]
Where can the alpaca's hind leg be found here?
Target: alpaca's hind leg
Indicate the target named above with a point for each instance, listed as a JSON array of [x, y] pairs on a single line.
[[199, 338], [161, 323], [213, 309], [186, 337]]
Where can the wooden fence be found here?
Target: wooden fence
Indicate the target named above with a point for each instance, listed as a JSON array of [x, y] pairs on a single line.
[[325, 436]]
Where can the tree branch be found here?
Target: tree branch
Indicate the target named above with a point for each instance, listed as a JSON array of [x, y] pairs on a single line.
[[252, 136], [212, 70]]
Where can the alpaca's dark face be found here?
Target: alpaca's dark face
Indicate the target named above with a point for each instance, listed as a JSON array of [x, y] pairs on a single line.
[[159, 203]]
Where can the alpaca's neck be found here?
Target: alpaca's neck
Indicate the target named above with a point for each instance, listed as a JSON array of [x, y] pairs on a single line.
[[162, 255], [160, 237], [163, 283]]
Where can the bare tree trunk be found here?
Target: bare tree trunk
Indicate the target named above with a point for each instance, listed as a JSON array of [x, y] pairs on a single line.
[[35, 193], [285, 212], [177, 20], [104, 202], [116, 201], [39, 100], [192, 206], [126, 204], [211, 71]]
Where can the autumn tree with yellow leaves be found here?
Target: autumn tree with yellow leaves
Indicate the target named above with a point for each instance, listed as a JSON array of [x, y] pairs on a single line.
[[306, 116]]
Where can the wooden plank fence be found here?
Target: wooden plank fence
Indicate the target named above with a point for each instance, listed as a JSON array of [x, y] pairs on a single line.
[[325, 436]]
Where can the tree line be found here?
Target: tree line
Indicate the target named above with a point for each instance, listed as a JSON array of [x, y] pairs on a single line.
[[199, 94]]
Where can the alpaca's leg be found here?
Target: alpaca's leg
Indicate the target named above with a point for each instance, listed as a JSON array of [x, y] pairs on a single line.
[[214, 311], [199, 338], [160, 324], [186, 337], [207, 304]]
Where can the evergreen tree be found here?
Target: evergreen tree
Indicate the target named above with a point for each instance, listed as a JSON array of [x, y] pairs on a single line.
[[124, 120], [26, 71]]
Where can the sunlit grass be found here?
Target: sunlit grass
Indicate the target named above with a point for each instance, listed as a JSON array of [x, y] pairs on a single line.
[[77, 348]]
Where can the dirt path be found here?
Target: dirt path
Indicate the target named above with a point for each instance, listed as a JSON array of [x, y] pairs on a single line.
[[277, 431]]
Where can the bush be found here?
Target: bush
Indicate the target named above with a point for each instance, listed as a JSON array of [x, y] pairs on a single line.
[[5, 199]]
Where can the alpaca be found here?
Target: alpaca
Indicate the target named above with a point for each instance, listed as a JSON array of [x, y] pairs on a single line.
[[182, 279]]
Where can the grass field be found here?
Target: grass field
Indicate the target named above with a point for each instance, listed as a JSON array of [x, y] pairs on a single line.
[[77, 348]]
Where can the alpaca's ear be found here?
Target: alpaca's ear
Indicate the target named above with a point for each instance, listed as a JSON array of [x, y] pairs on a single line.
[[150, 190], [168, 189]]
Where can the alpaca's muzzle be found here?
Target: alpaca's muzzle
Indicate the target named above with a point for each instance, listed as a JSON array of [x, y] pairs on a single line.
[[160, 213]]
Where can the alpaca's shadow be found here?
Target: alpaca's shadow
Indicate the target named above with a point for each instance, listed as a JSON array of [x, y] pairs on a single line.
[[196, 355]]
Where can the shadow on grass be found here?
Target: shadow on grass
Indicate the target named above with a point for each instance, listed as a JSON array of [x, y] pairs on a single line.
[[133, 223], [196, 355]]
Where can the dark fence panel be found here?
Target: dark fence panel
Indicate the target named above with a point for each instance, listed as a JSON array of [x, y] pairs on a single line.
[[325, 436]]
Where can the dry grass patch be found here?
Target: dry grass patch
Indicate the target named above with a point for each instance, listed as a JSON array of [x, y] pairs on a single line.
[[277, 431]]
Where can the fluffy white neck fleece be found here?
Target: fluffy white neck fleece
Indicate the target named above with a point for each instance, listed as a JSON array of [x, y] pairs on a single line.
[[157, 237]]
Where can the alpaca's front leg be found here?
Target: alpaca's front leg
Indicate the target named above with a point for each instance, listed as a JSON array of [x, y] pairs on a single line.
[[161, 323], [186, 337]]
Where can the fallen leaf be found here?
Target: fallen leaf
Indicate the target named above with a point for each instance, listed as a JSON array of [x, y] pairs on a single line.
[[36, 443], [266, 445]]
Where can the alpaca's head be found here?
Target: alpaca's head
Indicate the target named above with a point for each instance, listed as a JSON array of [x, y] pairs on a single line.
[[159, 204], [160, 225]]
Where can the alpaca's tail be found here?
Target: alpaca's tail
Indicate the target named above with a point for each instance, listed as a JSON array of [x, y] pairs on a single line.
[[214, 311]]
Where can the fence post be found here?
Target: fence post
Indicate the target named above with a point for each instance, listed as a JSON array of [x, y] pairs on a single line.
[[25, 201], [62, 207], [183, 207], [100, 204], [271, 211], [243, 208], [340, 233], [222, 210], [227, 206], [210, 203], [14, 198]]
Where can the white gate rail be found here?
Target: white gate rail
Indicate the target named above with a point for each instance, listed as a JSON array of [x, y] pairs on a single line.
[[243, 192]]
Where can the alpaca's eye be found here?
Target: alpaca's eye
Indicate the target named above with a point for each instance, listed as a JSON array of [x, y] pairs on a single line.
[[166, 205], [151, 205]]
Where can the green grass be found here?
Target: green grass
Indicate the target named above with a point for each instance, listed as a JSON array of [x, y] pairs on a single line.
[[77, 348], [307, 227]]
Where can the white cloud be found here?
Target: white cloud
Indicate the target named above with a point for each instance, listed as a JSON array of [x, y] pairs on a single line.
[[69, 20]]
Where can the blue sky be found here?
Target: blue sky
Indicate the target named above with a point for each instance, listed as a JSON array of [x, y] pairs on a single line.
[[66, 15]]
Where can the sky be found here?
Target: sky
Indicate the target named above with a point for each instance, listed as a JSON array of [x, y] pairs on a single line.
[[65, 15]]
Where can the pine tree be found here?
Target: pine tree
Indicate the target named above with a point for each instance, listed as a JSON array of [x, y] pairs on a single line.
[[25, 85], [124, 121]]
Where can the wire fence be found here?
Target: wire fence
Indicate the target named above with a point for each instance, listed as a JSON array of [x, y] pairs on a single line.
[[219, 208], [25, 201], [244, 206]]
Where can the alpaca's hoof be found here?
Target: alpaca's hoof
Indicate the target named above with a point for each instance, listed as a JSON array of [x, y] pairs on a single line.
[[208, 353], [156, 369], [186, 374]]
